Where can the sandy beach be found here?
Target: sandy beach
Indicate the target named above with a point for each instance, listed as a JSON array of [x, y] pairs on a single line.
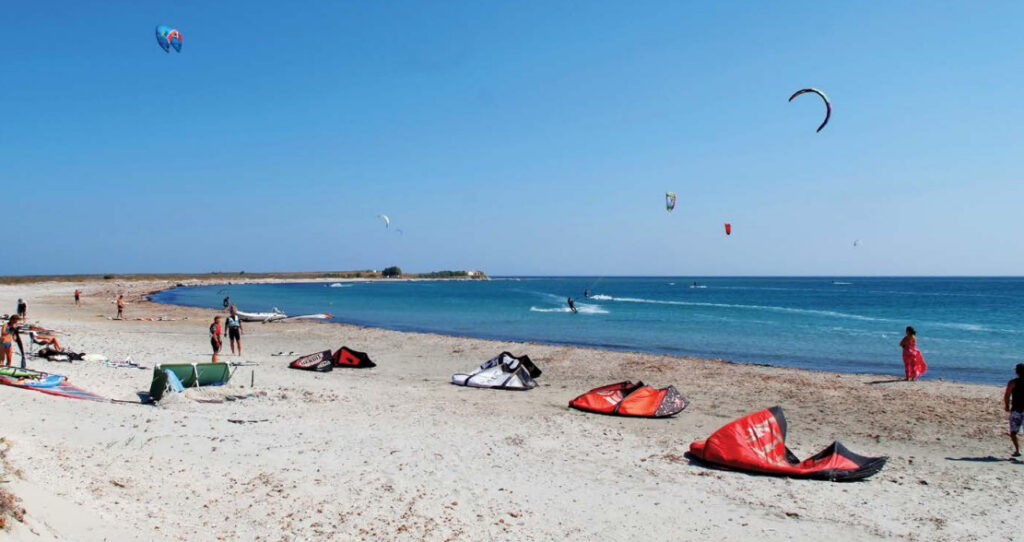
[[397, 453]]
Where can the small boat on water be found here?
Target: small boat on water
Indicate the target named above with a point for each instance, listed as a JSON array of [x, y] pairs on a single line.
[[262, 316]]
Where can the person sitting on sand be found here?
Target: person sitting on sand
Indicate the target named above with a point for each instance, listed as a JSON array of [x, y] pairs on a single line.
[[8, 336], [215, 337], [913, 362], [78, 296], [22, 309], [572, 306], [234, 331], [120, 307], [1015, 391], [45, 340]]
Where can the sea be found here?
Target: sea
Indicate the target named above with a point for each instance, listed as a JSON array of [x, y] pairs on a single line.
[[969, 329]]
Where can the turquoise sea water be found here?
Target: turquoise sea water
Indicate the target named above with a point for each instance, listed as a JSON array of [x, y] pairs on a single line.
[[969, 329]]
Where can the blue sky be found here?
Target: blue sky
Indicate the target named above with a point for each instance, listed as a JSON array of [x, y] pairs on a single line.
[[515, 137]]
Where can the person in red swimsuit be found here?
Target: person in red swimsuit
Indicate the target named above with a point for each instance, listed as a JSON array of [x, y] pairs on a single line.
[[215, 341]]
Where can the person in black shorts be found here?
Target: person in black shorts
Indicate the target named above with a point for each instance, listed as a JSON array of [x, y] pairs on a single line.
[[572, 305], [1013, 402], [22, 309], [233, 331]]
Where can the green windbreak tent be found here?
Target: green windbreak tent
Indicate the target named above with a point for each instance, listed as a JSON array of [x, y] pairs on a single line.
[[190, 375]]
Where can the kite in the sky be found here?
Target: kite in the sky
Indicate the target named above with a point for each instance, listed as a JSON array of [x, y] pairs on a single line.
[[387, 221], [168, 37], [856, 243], [728, 228], [828, 104], [670, 201]]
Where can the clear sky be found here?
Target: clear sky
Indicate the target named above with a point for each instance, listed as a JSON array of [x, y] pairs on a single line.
[[527, 137]]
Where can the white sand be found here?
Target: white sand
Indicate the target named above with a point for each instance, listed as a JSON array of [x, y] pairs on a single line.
[[397, 453]]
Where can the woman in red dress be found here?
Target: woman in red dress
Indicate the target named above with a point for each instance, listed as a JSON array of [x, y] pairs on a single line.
[[913, 361]]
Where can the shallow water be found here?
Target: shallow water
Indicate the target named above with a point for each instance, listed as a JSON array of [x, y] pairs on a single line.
[[969, 329]]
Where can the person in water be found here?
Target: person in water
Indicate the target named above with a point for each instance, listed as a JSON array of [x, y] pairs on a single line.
[[22, 309], [215, 337], [234, 331], [120, 307], [8, 336], [78, 296], [1013, 403], [913, 361], [586, 293], [572, 306], [227, 302]]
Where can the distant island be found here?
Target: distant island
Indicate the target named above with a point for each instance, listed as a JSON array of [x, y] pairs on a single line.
[[366, 274]]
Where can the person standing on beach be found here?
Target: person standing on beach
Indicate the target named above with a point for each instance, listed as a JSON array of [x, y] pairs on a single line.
[[78, 297], [913, 361], [8, 336], [234, 331], [120, 307], [22, 309], [215, 337], [1015, 391]]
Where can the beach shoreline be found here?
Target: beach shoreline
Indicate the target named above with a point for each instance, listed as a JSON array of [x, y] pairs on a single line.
[[396, 452]]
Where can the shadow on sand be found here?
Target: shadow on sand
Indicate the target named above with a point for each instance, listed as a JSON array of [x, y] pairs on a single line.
[[986, 459], [892, 381]]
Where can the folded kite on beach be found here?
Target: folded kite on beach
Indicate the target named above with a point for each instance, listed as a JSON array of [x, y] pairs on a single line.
[[504, 372], [631, 399], [346, 357], [320, 362], [757, 443]]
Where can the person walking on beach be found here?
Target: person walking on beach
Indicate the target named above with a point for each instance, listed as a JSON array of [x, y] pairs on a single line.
[[913, 361], [572, 306], [78, 297], [234, 331], [120, 307], [1013, 403], [215, 337], [8, 336], [22, 309]]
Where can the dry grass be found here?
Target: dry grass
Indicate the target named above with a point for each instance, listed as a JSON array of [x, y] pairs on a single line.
[[10, 505]]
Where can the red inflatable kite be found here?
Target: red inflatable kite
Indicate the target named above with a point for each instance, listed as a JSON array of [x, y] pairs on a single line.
[[629, 399], [346, 357], [728, 228], [757, 443]]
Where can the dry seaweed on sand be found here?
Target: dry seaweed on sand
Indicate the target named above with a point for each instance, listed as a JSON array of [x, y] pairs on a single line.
[[10, 505]]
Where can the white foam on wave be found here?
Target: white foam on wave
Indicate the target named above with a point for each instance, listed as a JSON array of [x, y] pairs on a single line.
[[340, 285], [602, 297], [580, 307], [772, 308]]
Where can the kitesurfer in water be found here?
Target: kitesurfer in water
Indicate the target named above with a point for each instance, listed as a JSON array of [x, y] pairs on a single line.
[[913, 361], [586, 293], [1013, 403], [572, 306], [8, 336]]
